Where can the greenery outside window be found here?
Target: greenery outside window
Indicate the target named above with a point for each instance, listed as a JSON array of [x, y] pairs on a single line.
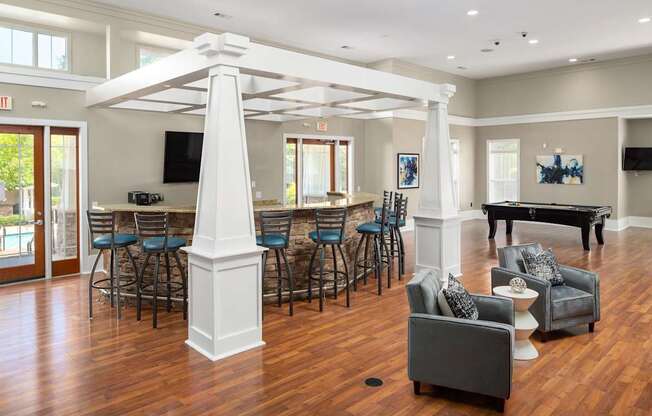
[[150, 54]]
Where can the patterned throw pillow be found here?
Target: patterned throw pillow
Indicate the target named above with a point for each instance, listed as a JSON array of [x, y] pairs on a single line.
[[543, 265], [455, 301]]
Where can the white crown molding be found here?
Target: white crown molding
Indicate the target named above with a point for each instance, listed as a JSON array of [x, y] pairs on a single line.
[[49, 79], [628, 112]]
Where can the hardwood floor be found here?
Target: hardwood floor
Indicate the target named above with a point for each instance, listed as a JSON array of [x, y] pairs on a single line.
[[54, 361]]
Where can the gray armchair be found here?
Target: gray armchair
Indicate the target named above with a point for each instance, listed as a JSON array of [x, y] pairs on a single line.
[[576, 302], [462, 354]]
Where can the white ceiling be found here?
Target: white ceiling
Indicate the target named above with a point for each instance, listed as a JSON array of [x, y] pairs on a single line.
[[425, 32]]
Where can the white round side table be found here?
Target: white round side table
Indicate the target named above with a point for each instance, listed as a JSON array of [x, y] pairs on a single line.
[[524, 322]]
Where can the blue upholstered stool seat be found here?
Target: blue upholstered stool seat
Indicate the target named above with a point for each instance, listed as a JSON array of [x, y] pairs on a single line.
[[155, 244], [120, 240], [272, 241], [369, 228], [379, 212], [327, 236], [392, 221]]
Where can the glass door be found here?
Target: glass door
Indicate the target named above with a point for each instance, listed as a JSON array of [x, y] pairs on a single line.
[[22, 239], [64, 185]]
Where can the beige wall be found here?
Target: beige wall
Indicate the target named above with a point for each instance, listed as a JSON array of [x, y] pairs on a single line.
[[463, 102], [385, 138], [596, 140], [638, 186], [265, 147], [125, 148], [623, 82]]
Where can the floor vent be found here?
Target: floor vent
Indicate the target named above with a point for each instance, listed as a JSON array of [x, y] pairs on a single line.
[[373, 382]]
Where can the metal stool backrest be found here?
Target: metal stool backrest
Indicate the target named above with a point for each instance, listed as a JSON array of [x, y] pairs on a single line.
[[400, 207], [101, 223], [329, 220], [384, 215], [152, 225], [276, 223], [388, 197]]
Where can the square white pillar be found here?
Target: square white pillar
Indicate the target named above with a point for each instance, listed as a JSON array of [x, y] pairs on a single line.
[[224, 263], [437, 224]]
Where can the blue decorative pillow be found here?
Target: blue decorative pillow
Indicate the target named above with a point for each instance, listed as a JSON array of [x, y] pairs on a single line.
[[543, 265], [455, 301]]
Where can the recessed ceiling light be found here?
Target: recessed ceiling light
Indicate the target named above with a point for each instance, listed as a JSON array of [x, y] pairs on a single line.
[[472, 12], [533, 41], [450, 57], [645, 19], [572, 60], [222, 15]]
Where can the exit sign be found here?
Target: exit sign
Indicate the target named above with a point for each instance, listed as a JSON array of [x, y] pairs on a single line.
[[322, 125], [6, 103]]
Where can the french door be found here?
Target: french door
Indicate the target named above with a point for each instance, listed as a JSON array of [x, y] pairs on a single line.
[[22, 236], [314, 167], [64, 200]]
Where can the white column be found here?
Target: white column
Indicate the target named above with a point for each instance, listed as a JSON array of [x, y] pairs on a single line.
[[437, 224], [224, 263]]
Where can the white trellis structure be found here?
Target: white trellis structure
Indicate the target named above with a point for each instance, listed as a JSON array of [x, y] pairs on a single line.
[[229, 79]]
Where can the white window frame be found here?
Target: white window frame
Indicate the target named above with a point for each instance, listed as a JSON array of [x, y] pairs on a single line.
[[35, 32], [141, 46], [299, 178], [518, 167], [458, 189]]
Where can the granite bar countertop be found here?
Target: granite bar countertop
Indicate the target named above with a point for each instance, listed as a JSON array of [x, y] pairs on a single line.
[[327, 202]]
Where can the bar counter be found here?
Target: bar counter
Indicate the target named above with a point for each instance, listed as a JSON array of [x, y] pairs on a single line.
[[360, 209]]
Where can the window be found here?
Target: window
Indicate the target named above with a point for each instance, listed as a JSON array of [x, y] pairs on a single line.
[[315, 166], [503, 170], [149, 54], [33, 48], [455, 168]]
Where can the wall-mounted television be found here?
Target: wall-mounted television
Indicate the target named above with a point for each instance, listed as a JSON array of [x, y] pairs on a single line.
[[637, 158], [182, 156]]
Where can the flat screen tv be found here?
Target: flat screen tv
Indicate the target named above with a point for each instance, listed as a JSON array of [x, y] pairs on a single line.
[[182, 156], [637, 158]]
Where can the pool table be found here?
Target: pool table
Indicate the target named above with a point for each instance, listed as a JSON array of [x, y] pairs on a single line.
[[582, 216]]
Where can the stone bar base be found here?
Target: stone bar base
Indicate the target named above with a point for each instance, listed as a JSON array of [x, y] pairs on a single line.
[[299, 252]]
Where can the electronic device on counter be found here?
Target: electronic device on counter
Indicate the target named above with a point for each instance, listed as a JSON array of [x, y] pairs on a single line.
[[131, 196], [146, 198]]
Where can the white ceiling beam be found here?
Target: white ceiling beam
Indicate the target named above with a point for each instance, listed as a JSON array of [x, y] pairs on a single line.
[[191, 65]]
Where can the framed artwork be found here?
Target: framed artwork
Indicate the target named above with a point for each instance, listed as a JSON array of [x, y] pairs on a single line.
[[560, 169], [407, 170]]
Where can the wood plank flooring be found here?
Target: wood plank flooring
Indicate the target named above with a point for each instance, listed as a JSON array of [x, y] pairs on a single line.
[[54, 361]]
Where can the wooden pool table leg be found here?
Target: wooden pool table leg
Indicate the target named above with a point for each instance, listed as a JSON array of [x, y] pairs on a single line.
[[598, 233], [492, 227], [509, 224], [586, 233]]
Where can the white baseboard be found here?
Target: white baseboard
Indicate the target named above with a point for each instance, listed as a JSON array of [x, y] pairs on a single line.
[[471, 214], [642, 222]]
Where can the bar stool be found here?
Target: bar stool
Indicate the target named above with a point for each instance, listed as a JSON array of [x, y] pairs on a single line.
[[397, 218], [376, 232], [329, 231], [104, 237], [275, 235], [396, 222], [388, 198], [153, 230]]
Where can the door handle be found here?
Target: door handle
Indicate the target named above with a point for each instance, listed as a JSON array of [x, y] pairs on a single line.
[[37, 222]]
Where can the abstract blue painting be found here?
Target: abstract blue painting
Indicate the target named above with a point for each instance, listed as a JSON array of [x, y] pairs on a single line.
[[407, 170], [560, 169]]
